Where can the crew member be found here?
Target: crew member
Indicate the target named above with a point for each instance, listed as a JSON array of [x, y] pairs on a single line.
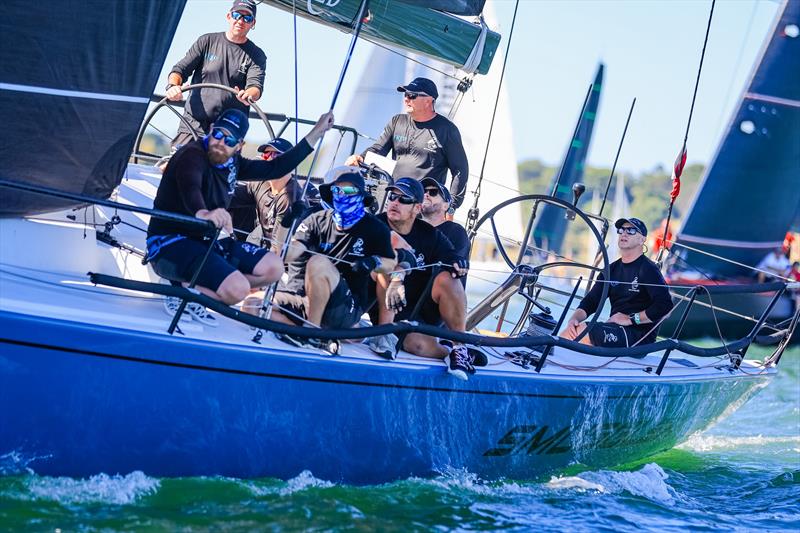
[[445, 303], [424, 143], [638, 294], [331, 257], [434, 211], [226, 58], [199, 181]]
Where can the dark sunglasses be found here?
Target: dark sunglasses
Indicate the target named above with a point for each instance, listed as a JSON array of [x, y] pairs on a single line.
[[247, 18], [432, 192], [347, 190], [230, 140], [414, 96], [630, 230], [405, 200]]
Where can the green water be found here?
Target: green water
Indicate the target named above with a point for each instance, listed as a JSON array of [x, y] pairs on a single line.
[[743, 474]]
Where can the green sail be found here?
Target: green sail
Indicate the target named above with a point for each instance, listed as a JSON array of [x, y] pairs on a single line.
[[395, 23]]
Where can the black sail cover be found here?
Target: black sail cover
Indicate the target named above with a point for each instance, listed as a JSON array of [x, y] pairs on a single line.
[[75, 80], [750, 194]]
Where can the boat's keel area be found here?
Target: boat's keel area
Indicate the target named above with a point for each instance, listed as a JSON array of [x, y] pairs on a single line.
[[87, 399]]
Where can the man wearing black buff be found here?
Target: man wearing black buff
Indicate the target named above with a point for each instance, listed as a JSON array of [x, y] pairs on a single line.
[[332, 256], [638, 294]]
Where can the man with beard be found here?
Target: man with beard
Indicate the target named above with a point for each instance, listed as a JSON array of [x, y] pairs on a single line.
[[434, 211], [331, 258], [445, 303], [638, 294], [199, 182]]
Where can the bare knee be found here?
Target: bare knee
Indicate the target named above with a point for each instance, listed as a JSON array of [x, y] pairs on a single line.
[[234, 288], [321, 268], [269, 269]]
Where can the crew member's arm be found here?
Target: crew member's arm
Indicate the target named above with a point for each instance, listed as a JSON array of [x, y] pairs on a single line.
[[382, 146], [260, 170], [587, 306], [189, 177], [656, 287], [459, 167], [185, 67], [255, 80]]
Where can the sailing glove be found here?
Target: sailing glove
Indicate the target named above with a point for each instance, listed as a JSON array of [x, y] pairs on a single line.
[[367, 264]]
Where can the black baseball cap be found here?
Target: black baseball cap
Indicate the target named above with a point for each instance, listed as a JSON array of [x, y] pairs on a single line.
[[431, 182], [244, 5], [408, 187], [278, 144], [234, 122], [635, 222], [420, 85], [342, 174]]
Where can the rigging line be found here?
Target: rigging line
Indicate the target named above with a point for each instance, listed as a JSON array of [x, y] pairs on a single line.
[[726, 260], [296, 82], [473, 215], [616, 158], [411, 58]]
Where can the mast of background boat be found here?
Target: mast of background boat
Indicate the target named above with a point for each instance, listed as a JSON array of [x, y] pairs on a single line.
[[266, 306], [680, 162], [474, 212]]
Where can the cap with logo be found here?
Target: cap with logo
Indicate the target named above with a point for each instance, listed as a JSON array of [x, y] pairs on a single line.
[[431, 182], [635, 222], [244, 5], [420, 85], [234, 122], [343, 174], [278, 144], [408, 187]]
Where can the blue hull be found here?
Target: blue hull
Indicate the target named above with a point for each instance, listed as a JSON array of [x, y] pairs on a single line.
[[81, 399]]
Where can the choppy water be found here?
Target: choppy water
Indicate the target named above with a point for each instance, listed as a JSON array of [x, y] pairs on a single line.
[[742, 474]]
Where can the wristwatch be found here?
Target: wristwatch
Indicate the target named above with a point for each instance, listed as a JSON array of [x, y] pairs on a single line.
[[635, 318]]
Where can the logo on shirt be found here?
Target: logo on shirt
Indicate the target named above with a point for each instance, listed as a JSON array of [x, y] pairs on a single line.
[[210, 56], [243, 68], [608, 336], [231, 179], [420, 260], [399, 138], [634, 285], [358, 247], [432, 145]]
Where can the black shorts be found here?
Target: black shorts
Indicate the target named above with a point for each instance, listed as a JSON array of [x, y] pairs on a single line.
[[176, 258], [340, 313], [614, 336]]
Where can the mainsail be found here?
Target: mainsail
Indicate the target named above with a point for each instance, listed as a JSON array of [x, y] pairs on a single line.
[[408, 25], [75, 80], [750, 195], [551, 226]]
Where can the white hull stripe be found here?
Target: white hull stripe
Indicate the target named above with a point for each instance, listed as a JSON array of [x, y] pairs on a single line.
[[73, 94], [728, 243], [772, 99]]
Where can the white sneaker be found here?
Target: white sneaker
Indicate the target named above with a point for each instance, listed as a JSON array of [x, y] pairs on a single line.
[[201, 314], [384, 345], [171, 304]]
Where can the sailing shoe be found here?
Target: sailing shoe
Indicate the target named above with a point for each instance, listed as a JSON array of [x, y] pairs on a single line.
[[459, 362], [171, 304], [201, 314], [384, 345]]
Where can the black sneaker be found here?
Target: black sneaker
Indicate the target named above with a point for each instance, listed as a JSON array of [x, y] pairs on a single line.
[[459, 363], [332, 347]]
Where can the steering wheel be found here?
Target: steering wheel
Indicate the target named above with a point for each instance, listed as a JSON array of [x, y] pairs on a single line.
[[165, 102], [603, 267]]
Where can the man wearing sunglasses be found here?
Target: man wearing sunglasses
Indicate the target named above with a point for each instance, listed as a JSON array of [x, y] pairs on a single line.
[[424, 143], [200, 181], [226, 58], [445, 303], [331, 259], [638, 295], [435, 207]]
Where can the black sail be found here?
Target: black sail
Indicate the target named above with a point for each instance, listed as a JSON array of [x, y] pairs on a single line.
[[75, 80], [750, 194]]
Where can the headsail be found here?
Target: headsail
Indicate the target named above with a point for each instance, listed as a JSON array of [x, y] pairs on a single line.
[[750, 195], [407, 25], [74, 89], [551, 226]]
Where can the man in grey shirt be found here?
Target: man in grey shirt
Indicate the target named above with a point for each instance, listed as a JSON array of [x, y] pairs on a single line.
[[424, 143], [226, 58]]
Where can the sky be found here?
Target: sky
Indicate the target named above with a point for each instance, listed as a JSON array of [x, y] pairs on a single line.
[[651, 50]]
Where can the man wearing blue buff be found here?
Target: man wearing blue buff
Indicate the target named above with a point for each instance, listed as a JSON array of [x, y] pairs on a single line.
[[332, 257], [200, 181]]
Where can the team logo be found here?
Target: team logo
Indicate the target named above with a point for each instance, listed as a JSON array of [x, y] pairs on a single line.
[[231, 179], [608, 336], [243, 68], [358, 247], [210, 57], [634, 285], [420, 260], [326, 3], [432, 145]]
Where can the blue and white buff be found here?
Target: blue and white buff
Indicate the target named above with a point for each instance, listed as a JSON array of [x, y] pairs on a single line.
[[348, 209]]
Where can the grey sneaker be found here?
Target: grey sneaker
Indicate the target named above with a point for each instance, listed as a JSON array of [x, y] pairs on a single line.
[[459, 362], [384, 345], [201, 314]]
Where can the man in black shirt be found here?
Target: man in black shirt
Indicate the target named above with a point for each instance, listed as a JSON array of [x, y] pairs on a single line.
[[226, 58], [638, 295], [424, 143], [446, 301], [434, 212], [200, 181], [331, 257]]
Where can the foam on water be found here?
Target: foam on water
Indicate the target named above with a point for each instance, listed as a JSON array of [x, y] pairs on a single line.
[[102, 488], [304, 480], [706, 443], [649, 482]]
